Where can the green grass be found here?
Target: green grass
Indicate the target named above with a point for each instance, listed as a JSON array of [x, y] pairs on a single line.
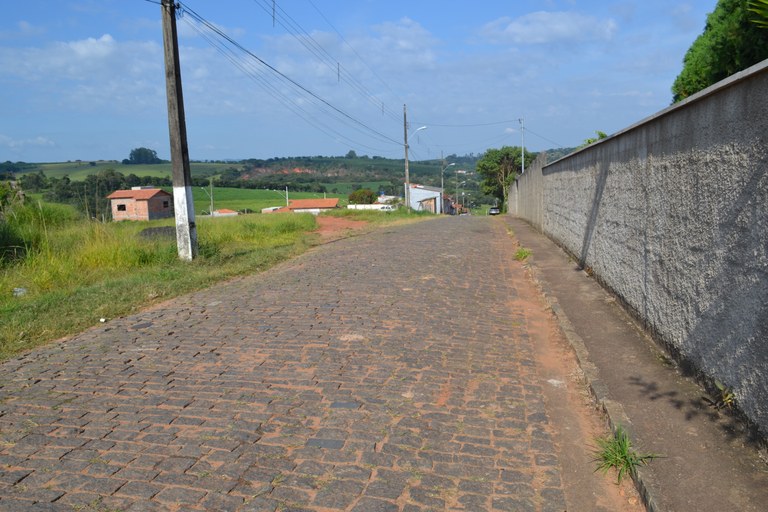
[[616, 452], [76, 272], [522, 254]]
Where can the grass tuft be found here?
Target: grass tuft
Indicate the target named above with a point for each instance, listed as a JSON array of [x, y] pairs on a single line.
[[522, 254], [616, 452]]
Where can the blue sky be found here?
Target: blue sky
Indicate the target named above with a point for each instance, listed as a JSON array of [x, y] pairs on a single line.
[[84, 79]]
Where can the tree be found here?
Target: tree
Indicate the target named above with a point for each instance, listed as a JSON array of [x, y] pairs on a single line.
[[351, 154], [34, 181], [143, 156], [730, 43], [498, 167], [591, 140], [760, 8], [362, 196]]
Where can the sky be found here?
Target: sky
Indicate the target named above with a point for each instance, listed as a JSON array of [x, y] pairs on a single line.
[[85, 79]]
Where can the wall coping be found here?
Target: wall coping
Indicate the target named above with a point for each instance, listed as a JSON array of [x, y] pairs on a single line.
[[760, 67]]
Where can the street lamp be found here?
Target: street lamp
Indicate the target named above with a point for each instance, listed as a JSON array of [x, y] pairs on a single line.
[[457, 187], [442, 186], [407, 175], [210, 195]]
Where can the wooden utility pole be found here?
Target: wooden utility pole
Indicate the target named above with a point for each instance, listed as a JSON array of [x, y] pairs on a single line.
[[183, 205], [407, 176]]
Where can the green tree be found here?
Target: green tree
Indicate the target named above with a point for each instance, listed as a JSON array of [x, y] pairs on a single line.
[[730, 43], [362, 196], [591, 140], [143, 156], [498, 167], [760, 8], [34, 181]]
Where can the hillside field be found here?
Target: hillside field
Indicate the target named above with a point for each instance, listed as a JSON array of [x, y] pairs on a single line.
[[79, 170]]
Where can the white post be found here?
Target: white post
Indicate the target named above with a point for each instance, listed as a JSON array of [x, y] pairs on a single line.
[[184, 206]]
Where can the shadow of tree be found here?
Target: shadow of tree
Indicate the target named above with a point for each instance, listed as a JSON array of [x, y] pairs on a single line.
[[728, 421]]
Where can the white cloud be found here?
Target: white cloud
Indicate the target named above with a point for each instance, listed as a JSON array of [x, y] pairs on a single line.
[[91, 48], [405, 42], [20, 144], [88, 74], [28, 29], [545, 27], [77, 60]]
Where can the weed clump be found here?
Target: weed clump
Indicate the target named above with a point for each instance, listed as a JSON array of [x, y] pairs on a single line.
[[616, 451]]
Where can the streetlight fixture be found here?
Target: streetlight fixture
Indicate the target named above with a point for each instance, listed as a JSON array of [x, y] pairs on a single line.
[[457, 188], [210, 195], [405, 143], [442, 185]]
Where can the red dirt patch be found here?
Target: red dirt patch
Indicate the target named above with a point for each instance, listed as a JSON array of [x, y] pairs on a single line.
[[336, 227]]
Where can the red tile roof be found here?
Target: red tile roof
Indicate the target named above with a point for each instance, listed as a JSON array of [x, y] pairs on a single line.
[[139, 195], [309, 204]]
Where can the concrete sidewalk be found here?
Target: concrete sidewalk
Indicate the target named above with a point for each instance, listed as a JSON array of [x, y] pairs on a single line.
[[396, 371], [709, 463]]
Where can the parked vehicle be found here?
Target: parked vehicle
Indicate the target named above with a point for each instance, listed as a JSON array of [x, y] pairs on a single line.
[[375, 206], [494, 210]]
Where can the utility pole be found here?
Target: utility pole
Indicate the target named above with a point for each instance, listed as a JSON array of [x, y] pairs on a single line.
[[211, 194], [442, 184], [184, 206], [442, 181], [407, 176], [522, 134]]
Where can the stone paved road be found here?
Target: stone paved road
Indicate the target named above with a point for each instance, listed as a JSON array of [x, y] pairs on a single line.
[[388, 372]]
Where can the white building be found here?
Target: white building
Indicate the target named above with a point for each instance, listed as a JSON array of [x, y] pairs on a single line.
[[425, 199]]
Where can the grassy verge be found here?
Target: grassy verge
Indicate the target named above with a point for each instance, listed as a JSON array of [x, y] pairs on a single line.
[[73, 272], [69, 273]]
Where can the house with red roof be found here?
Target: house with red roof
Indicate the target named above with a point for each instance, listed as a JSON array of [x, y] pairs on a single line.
[[224, 212], [141, 203]]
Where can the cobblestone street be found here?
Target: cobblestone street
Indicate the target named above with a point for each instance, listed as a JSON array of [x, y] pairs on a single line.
[[394, 371]]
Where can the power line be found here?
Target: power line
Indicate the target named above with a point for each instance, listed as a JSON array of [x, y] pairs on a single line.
[[385, 84], [468, 125], [250, 70], [210, 26], [543, 137], [316, 49]]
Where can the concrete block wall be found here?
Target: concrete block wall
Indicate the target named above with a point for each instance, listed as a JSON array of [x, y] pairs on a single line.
[[531, 201], [672, 215]]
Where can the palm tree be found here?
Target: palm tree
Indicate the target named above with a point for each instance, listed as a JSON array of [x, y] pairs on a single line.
[[759, 7]]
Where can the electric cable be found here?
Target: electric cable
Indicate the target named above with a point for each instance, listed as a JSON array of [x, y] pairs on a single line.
[[210, 26]]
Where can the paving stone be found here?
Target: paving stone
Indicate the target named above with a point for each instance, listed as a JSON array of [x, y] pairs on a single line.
[[366, 373], [141, 490], [331, 444], [179, 496], [374, 505]]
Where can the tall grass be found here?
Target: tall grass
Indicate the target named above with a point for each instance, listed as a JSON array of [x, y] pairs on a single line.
[[74, 272]]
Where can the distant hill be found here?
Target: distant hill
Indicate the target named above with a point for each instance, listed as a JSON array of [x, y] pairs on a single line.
[[297, 173], [558, 153]]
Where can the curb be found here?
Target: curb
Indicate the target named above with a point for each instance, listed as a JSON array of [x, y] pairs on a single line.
[[644, 481]]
